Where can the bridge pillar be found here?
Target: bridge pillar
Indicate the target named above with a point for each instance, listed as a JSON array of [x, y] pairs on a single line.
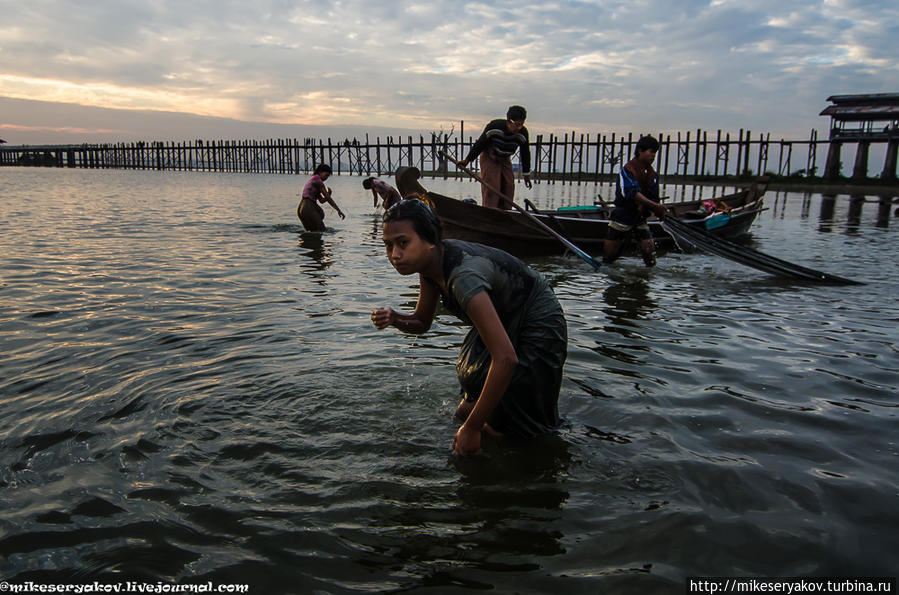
[[889, 164], [832, 165], [860, 171]]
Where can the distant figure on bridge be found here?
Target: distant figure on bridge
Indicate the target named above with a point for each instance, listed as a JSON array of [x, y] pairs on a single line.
[[311, 215], [636, 197], [496, 145], [383, 190]]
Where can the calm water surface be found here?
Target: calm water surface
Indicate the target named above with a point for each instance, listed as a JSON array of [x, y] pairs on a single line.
[[191, 390]]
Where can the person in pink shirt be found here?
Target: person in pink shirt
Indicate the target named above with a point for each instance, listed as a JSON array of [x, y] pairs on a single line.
[[310, 213]]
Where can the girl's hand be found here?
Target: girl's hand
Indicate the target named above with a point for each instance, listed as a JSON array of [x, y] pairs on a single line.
[[382, 317], [342, 216], [467, 440]]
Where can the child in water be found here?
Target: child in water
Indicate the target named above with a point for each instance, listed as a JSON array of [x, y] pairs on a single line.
[[383, 190], [636, 196], [311, 215], [510, 364]]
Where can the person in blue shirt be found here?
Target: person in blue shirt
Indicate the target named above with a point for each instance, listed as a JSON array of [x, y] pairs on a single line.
[[636, 198]]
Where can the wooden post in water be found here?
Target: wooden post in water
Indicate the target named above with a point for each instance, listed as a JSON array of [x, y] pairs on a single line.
[[378, 154], [889, 162], [746, 155], [696, 155], [860, 171], [833, 164], [553, 152], [627, 150], [580, 164], [666, 142], [705, 144]]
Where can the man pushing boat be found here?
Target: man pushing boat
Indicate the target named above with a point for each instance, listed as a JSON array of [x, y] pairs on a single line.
[[496, 145], [636, 197]]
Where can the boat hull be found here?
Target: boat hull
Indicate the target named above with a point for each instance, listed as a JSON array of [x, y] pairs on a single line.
[[517, 234]]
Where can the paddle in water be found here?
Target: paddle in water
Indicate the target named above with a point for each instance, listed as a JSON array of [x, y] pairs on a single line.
[[702, 239]]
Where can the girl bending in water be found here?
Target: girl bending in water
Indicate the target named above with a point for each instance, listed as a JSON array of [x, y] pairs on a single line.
[[510, 365], [310, 213]]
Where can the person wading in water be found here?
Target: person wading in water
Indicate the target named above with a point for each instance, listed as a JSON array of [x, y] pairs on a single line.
[[510, 364]]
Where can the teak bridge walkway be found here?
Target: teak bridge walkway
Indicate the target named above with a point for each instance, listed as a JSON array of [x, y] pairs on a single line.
[[568, 158]]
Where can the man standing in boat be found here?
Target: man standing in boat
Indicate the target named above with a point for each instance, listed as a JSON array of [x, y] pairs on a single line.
[[636, 197], [496, 145]]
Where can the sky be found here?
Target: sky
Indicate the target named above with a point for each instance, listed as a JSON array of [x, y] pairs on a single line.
[[104, 71]]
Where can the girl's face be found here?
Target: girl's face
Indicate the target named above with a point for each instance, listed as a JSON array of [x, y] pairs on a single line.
[[406, 250], [324, 175]]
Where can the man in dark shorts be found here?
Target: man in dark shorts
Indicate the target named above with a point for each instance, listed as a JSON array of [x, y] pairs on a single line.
[[636, 197]]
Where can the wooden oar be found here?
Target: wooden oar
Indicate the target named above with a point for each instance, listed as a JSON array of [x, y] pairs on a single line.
[[747, 256], [565, 241]]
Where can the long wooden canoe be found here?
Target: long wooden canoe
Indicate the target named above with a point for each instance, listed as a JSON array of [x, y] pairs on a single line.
[[585, 226]]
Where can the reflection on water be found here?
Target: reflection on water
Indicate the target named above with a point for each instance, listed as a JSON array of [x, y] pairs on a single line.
[[855, 211], [828, 207], [518, 488], [883, 211], [318, 252], [191, 390], [854, 217], [629, 299]]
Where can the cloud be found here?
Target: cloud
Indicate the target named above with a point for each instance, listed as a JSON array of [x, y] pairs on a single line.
[[575, 64]]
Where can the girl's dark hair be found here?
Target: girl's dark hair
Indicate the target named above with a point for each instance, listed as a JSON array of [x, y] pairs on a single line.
[[366, 183], [424, 220], [321, 168], [646, 142]]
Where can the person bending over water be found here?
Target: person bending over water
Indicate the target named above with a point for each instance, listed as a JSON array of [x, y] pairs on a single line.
[[510, 364], [381, 190], [311, 215]]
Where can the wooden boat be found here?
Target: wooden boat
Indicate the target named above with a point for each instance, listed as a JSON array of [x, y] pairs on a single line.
[[584, 226]]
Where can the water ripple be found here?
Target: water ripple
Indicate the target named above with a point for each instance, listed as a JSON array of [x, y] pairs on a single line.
[[191, 391]]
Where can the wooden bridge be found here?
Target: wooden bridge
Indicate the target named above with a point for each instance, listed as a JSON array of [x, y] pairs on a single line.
[[567, 158]]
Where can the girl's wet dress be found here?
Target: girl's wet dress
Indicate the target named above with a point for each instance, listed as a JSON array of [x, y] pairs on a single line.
[[311, 215], [534, 321]]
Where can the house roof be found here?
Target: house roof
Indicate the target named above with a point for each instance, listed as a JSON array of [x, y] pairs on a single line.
[[874, 106]]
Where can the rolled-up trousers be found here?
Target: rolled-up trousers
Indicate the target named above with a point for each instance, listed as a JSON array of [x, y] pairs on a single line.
[[497, 173]]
